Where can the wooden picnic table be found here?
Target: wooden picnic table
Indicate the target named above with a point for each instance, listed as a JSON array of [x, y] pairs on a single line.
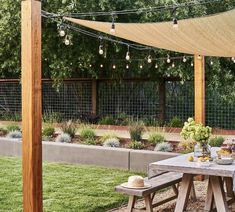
[[217, 175]]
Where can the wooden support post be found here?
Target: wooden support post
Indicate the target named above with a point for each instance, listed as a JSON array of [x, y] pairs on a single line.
[[94, 97], [199, 88], [31, 105], [162, 100]]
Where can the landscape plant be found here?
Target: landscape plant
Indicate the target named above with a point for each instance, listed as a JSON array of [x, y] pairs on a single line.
[[163, 147], [63, 138], [136, 145], [48, 131], [69, 127], [155, 138], [111, 142], [176, 122], [216, 141], [87, 134], [14, 134], [136, 131], [3, 131], [12, 127], [107, 120], [107, 136]]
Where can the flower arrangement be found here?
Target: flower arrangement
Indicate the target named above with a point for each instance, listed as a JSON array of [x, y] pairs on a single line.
[[196, 132]]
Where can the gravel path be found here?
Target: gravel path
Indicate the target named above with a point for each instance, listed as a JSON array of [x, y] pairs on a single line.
[[169, 207]]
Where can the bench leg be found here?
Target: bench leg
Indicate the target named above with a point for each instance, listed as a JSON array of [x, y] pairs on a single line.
[[193, 195], [148, 203], [131, 203]]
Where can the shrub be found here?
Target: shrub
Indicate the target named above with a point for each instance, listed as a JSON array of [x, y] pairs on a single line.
[[163, 147], [136, 131], [63, 138], [48, 131], [69, 128], [108, 136], [122, 119], [216, 141], [90, 141], [156, 138], [14, 134], [52, 117], [87, 134], [176, 122], [112, 142], [107, 120], [3, 131], [13, 127], [136, 145]]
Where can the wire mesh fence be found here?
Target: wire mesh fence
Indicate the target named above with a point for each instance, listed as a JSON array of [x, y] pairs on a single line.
[[138, 100]]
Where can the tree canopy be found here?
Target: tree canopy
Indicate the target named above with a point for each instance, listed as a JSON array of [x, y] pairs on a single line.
[[61, 61]]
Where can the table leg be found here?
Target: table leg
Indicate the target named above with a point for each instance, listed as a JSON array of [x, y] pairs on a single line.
[[148, 203], [209, 197], [184, 192], [229, 186], [218, 193]]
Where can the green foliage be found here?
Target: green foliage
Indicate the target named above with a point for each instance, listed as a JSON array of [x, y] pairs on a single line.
[[10, 116], [111, 142], [48, 131], [52, 117], [3, 131], [13, 127], [107, 136], [197, 132], [136, 145], [136, 130], [176, 122], [14, 134], [163, 147], [107, 120], [69, 127], [186, 146], [216, 141], [122, 119], [87, 134], [90, 141], [155, 138], [63, 138]]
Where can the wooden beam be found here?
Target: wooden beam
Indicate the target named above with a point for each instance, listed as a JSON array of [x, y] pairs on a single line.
[[31, 105], [199, 88]]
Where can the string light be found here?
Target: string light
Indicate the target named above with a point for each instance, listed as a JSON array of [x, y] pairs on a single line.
[[184, 59], [211, 62], [175, 23], [173, 65], [113, 30], [67, 40], [114, 66], [168, 59], [233, 59], [128, 57], [101, 51], [61, 31], [101, 65], [90, 65], [156, 65], [192, 64], [149, 59], [141, 66], [127, 66]]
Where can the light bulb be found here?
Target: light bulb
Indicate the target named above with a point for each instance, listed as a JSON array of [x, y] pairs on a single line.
[[112, 30], [175, 23], [114, 66], [173, 65], [149, 59], [127, 66], [156, 65], [101, 51], [141, 66], [90, 65], [101, 65], [184, 59], [67, 41], [168, 59], [192, 64], [233, 58], [211, 62], [128, 56], [62, 33]]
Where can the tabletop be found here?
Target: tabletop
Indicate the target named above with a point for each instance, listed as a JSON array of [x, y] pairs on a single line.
[[182, 165]]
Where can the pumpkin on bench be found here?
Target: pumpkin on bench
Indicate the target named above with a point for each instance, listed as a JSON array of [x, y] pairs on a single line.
[[147, 188]]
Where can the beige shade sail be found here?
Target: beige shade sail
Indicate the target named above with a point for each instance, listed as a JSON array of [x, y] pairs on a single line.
[[209, 36]]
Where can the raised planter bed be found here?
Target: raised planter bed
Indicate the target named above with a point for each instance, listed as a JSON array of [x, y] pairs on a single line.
[[135, 160]]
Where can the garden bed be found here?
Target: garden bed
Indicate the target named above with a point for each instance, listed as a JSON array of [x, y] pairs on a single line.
[[128, 159]]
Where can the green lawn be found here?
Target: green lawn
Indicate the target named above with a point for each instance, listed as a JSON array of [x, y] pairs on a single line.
[[66, 187]]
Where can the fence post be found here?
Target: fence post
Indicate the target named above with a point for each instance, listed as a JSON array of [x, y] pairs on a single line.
[[199, 88], [162, 100], [94, 97]]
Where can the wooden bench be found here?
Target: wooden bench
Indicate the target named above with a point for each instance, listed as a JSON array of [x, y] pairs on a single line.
[[158, 182]]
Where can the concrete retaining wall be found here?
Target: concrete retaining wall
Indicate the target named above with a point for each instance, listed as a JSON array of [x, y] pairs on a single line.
[[134, 160]]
